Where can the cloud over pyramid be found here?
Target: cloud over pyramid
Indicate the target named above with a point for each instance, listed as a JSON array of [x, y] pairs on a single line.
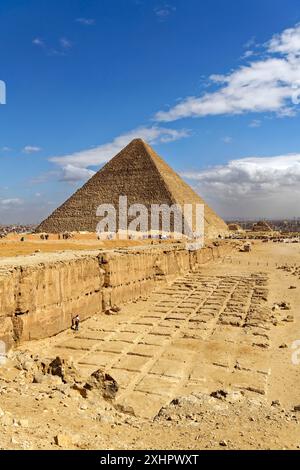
[[138, 173]]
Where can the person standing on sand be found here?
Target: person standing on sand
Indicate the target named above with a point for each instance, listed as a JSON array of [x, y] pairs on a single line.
[[75, 323]]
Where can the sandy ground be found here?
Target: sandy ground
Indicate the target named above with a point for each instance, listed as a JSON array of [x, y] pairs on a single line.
[[205, 363], [12, 245]]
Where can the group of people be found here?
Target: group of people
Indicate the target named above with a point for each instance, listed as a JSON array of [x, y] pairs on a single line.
[[64, 236], [44, 236]]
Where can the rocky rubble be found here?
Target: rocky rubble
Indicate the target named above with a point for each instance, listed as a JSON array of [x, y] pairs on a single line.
[[43, 407], [49, 397], [65, 374], [293, 270], [210, 414]]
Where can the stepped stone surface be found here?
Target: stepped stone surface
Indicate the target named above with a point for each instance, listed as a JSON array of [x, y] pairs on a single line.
[[138, 173], [199, 334], [206, 360], [39, 295]]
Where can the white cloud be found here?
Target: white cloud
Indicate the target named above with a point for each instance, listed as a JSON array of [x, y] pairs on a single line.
[[72, 174], [271, 84], [287, 42], [255, 186], [45, 177], [38, 42], [248, 54], [101, 154], [164, 11], [86, 21], [227, 139], [65, 43], [8, 203], [31, 149], [251, 43], [255, 123]]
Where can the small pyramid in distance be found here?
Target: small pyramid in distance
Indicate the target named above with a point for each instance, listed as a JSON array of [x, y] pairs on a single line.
[[138, 173]]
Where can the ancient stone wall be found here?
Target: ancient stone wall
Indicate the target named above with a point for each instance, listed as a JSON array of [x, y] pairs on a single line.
[[39, 295]]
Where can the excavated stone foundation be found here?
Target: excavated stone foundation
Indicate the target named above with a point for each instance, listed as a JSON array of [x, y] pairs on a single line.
[[40, 294]]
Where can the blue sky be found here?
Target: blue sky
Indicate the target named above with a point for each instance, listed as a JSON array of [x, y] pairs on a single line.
[[212, 85]]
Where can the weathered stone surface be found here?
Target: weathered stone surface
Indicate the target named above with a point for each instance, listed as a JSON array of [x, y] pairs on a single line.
[[140, 174], [66, 371], [39, 296], [64, 441], [103, 382]]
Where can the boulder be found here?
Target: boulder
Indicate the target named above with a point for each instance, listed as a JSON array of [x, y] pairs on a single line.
[[65, 370], [103, 382]]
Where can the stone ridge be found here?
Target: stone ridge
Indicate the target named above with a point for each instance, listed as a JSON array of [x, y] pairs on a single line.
[[184, 194], [140, 174], [40, 294]]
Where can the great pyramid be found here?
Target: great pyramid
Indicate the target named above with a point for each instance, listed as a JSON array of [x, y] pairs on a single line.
[[138, 173]]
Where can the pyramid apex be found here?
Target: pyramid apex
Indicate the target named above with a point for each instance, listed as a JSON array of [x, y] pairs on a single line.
[[137, 140], [138, 143]]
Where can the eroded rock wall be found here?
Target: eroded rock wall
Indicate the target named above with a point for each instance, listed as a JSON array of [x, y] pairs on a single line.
[[40, 295], [132, 274], [40, 300]]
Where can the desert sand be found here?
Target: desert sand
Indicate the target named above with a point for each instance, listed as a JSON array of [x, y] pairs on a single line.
[[202, 363], [13, 246]]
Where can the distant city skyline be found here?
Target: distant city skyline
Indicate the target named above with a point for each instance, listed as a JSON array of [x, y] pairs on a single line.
[[213, 86]]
